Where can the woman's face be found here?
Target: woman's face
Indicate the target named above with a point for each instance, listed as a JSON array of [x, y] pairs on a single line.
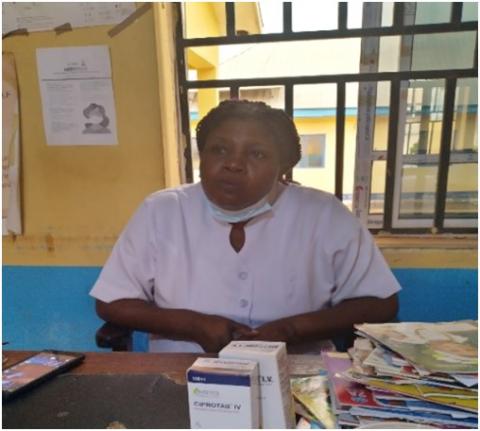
[[239, 164]]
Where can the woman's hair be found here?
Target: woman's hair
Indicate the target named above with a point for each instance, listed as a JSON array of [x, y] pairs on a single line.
[[274, 120]]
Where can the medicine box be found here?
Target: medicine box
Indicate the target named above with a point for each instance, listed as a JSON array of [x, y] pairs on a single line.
[[223, 393], [276, 404]]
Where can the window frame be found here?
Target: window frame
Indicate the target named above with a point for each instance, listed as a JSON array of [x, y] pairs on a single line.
[[399, 28]]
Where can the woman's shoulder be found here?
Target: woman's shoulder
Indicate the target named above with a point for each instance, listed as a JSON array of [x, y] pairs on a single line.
[[322, 206], [309, 196], [182, 192], [174, 199]]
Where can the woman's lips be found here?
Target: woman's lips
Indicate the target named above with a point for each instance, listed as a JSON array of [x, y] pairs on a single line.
[[230, 186]]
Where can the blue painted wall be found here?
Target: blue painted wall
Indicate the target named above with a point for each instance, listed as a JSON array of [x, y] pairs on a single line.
[[49, 307], [433, 295]]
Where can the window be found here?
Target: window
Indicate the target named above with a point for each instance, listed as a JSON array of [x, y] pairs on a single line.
[[313, 151], [396, 111]]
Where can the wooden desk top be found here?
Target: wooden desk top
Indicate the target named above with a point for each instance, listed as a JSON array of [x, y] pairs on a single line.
[[170, 365], [136, 390]]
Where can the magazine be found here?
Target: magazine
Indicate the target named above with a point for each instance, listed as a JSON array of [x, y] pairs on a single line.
[[448, 347], [416, 416], [461, 399], [345, 393], [312, 393]]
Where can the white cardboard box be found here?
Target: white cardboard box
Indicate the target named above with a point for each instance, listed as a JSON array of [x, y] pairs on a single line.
[[276, 404], [223, 393]]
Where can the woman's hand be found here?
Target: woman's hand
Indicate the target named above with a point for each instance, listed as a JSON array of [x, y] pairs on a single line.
[[278, 330], [210, 331], [215, 332], [327, 323]]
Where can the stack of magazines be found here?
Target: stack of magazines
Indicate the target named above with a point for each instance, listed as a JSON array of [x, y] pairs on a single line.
[[423, 374]]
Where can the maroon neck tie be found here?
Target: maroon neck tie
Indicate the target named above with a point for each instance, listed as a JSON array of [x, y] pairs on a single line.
[[237, 235]]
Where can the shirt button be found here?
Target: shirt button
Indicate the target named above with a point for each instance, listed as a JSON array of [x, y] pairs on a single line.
[[243, 275], [243, 303]]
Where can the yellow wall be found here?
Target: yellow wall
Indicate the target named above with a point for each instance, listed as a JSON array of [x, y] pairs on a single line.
[[76, 200], [203, 19]]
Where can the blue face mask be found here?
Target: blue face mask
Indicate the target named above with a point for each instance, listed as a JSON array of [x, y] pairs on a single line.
[[262, 206]]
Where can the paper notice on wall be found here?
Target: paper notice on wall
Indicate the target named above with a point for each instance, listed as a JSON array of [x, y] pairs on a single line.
[[77, 95], [40, 16], [11, 220]]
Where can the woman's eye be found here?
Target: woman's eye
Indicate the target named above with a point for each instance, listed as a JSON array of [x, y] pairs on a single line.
[[257, 154], [218, 149]]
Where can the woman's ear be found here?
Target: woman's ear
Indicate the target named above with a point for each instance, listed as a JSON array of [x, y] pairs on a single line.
[[284, 168], [284, 180]]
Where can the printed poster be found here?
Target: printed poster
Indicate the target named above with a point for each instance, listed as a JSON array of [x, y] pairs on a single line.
[[77, 95]]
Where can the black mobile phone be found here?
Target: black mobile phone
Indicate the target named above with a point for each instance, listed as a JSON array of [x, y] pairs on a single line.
[[29, 372]]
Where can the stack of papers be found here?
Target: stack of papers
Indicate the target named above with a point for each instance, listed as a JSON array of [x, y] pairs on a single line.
[[422, 373]]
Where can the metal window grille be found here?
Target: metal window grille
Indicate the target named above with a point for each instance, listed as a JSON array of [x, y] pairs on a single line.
[[399, 28]]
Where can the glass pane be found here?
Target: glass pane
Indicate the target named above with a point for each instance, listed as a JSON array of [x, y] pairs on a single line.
[[470, 11], [387, 13], [273, 96], [423, 122], [311, 16], [377, 187], [314, 116], [355, 12], [382, 116], [389, 53], [204, 19], [443, 51], [271, 16], [418, 185], [298, 58], [465, 121], [462, 191], [422, 134], [432, 12], [462, 186]]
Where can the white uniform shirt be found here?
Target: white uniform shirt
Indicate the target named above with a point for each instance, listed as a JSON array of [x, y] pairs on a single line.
[[309, 252]]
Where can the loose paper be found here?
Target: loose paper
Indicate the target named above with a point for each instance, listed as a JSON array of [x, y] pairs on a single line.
[[11, 220], [40, 16]]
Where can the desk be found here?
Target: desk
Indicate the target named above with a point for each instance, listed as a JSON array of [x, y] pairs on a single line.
[[139, 390]]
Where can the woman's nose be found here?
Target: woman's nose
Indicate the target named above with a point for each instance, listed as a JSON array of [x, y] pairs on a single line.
[[235, 163]]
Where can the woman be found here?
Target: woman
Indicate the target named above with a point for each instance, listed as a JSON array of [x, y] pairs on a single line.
[[242, 255]]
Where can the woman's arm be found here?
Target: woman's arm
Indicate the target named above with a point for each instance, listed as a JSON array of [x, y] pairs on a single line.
[[210, 331], [330, 322]]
